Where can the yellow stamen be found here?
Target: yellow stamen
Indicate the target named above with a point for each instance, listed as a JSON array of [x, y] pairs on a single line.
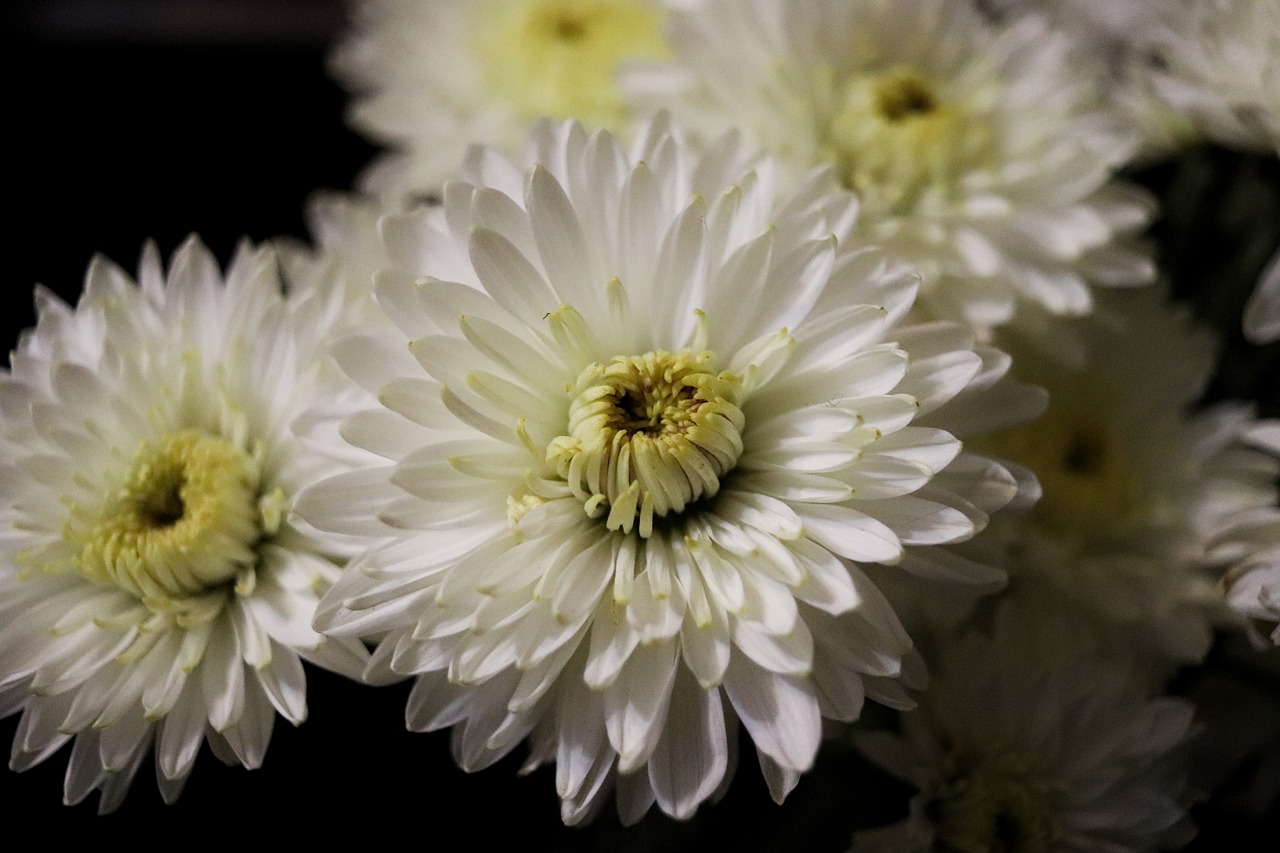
[[999, 806], [558, 57], [184, 521], [896, 138], [648, 436]]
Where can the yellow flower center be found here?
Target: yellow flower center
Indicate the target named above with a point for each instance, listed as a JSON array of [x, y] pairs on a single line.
[[896, 139], [903, 97], [999, 807], [558, 57], [649, 435], [184, 521], [1090, 488]]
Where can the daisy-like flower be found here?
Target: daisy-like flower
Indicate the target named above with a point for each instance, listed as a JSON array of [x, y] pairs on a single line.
[[1024, 744], [1250, 543], [1122, 36], [1222, 68], [155, 591], [984, 155], [1105, 25], [1253, 583], [337, 268], [635, 455], [1137, 484], [434, 76]]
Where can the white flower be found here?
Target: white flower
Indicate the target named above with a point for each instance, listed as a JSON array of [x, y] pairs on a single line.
[[1025, 743], [635, 452], [338, 270], [1122, 35], [984, 155], [1137, 485], [1222, 68], [1103, 24], [1253, 583], [1250, 542], [432, 77], [154, 589]]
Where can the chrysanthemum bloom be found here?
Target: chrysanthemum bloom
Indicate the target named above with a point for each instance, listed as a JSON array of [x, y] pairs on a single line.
[[1099, 20], [155, 591], [338, 266], [1122, 36], [1137, 484], [1222, 68], [1250, 542], [434, 76], [634, 457], [983, 155], [1022, 743]]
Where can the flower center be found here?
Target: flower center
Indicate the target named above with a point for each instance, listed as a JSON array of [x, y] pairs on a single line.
[[997, 808], [896, 139], [902, 97], [558, 57], [1090, 489], [649, 435], [183, 522]]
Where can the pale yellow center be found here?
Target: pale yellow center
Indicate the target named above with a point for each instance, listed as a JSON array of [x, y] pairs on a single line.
[[185, 520], [559, 57], [999, 807], [896, 138], [649, 435], [1091, 490]]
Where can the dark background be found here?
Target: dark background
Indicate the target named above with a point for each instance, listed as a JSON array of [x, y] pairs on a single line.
[[158, 118]]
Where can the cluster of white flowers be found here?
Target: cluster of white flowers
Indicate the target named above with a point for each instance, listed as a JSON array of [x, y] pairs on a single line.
[[693, 367]]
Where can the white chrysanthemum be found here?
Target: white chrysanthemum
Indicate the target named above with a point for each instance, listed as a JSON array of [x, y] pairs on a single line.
[[1222, 67], [1023, 744], [1250, 543], [984, 155], [1122, 35], [1137, 485], [154, 589], [432, 77], [339, 268], [1221, 63], [635, 452], [1103, 24]]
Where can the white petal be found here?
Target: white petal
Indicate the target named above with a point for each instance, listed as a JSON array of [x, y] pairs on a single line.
[[849, 533], [779, 711], [635, 706], [692, 756]]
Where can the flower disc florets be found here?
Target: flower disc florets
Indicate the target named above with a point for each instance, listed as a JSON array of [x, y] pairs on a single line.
[[646, 415], [995, 804], [900, 139], [184, 521], [649, 435]]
